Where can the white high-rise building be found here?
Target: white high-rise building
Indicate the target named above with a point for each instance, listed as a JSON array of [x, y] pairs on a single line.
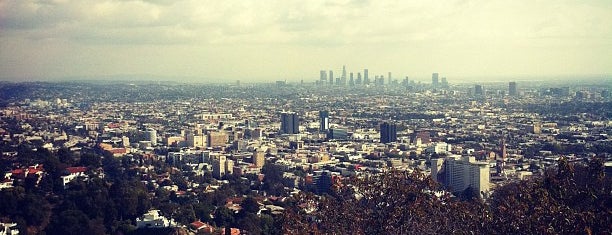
[[219, 166], [151, 135], [459, 173]]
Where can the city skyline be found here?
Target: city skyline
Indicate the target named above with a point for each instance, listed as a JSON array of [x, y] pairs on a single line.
[[267, 41]]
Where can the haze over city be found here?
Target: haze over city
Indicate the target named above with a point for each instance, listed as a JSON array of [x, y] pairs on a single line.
[[256, 41]]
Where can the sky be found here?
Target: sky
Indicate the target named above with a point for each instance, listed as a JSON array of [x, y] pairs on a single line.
[[267, 40]]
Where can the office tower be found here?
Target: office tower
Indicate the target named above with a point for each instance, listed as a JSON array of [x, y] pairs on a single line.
[[434, 80], [405, 82], [218, 165], [351, 80], [289, 123], [337, 134], [459, 173], [444, 82], [229, 166], [512, 89], [331, 77], [323, 76], [323, 120], [388, 132], [389, 80], [366, 79], [151, 135], [358, 79], [217, 139], [478, 91], [343, 72], [323, 182], [535, 128], [195, 140], [259, 158], [125, 141]]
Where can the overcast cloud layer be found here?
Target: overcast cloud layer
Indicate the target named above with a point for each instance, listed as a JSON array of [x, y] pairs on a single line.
[[281, 39]]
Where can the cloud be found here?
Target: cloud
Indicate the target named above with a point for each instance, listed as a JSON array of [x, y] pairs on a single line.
[[262, 35], [204, 21]]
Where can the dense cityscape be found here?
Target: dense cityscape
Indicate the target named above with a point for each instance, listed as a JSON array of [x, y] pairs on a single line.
[[345, 154]]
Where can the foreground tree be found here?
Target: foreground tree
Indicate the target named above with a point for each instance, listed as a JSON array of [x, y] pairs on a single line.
[[390, 203], [572, 199]]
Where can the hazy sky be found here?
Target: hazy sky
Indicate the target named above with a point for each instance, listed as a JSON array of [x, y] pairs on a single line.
[[285, 39]]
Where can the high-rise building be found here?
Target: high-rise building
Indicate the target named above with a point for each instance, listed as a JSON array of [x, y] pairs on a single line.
[[323, 76], [195, 140], [229, 166], [512, 89], [444, 82], [125, 141], [478, 91], [366, 79], [343, 72], [358, 78], [337, 134], [331, 77], [290, 123], [217, 139], [323, 181], [259, 158], [388, 132], [459, 173], [434, 80], [351, 80], [389, 80], [151, 135], [323, 120], [218, 165]]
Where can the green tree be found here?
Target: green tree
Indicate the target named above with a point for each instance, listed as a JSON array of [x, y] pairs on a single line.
[[224, 217]]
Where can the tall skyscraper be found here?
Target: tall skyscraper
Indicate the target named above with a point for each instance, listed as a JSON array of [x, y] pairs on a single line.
[[323, 75], [151, 135], [218, 165], [478, 91], [331, 77], [389, 80], [351, 80], [512, 89], [358, 78], [343, 72], [259, 159], [216, 138], [324, 120], [444, 82], [388, 132], [366, 79], [459, 173], [434, 80], [290, 123]]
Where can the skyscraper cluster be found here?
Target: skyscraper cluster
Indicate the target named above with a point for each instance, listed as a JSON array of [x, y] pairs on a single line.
[[353, 79], [346, 78]]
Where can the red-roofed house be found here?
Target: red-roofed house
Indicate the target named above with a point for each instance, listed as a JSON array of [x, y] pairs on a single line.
[[35, 171], [72, 173], [201, 226]]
